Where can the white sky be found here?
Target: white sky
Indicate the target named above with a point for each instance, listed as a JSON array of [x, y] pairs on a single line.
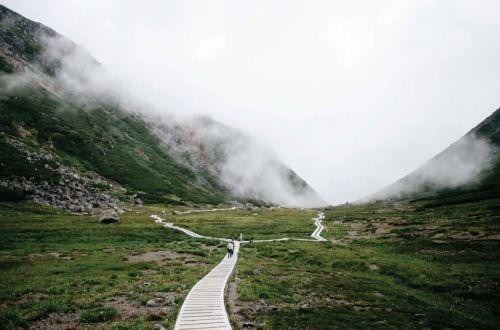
[[351, 94]]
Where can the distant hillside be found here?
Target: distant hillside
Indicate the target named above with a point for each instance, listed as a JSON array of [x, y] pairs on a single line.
[[247, 168], [66, 142], [467, 170]]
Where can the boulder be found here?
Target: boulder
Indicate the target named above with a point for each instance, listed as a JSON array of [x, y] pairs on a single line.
[[109, 216]]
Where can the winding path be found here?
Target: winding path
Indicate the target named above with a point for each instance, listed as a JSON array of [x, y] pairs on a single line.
[[204, 307]]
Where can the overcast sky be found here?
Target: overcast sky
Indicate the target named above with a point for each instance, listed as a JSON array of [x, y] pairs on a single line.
[[351, 94]]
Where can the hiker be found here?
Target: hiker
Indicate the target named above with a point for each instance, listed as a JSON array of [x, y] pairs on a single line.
[[230, 248]]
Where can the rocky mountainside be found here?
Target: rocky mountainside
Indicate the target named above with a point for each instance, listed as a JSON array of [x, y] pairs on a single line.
[[467, 170], [69, 141]]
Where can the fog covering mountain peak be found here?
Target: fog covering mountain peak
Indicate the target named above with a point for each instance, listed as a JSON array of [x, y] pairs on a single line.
[[249, 169], [470, 165], [194, 158]]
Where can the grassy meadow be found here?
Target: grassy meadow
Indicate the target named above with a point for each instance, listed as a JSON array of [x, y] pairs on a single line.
[[67, 271], [385, 267], [256, 224]]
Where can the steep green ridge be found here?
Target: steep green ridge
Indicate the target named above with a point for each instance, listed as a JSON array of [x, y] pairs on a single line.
[[419, 185], [103, 139]]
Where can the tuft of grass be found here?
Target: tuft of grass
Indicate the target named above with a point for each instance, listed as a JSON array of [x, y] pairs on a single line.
[[97, 315]]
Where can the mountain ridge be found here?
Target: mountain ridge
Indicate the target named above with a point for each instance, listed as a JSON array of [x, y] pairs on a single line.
[[51, 106]]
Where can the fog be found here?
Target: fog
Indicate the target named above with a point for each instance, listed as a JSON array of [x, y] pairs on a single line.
[[240, 164], [462, 164], [352, 96], [249, 169]]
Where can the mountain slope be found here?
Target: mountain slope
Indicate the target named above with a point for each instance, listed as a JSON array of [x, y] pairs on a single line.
[[54, 107], [469, 169], [247, 168]]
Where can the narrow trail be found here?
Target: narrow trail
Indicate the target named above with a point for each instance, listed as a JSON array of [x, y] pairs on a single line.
[[204, 307], [316, 235]]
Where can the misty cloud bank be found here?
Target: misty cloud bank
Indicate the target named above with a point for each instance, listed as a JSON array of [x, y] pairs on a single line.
[[245, 168], [249, 169], [462, 164]]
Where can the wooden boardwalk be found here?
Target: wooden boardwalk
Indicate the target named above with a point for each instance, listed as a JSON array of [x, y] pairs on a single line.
[[319, 227], [204, 307]]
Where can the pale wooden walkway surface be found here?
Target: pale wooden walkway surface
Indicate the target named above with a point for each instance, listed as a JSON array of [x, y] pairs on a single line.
[[204, 306]]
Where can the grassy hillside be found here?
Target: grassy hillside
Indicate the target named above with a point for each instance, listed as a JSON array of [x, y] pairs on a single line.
[[51, 103], [100, 138], [81, 130], [468, 170]]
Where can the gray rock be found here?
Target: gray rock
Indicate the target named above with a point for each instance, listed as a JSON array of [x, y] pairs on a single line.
[[158, 327], [151, 303], [109, 216]]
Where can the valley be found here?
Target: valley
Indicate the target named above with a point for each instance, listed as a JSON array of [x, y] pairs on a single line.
[[118, 211], [384, 265]]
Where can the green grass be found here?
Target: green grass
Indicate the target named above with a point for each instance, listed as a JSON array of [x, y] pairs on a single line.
[[424, 272], [387, 266], [257, 224], [97, 315], [90, 266]]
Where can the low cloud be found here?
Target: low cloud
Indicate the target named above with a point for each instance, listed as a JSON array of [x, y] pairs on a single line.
[[244, 167], [462, 164], [249, 169]]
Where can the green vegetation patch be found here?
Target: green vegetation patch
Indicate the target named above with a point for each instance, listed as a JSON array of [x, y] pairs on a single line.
[[385, 266], [253, 224], [97, 315]]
